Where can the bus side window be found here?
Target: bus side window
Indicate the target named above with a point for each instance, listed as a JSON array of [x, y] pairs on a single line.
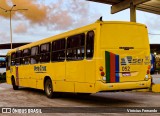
[[18, 59], [90, 45], [13, 56], [75, 47], [35, 55], [45, 52], [58, 50], [26, 56]]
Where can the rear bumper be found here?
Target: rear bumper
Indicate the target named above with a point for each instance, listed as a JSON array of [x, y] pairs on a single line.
[[122, 86]]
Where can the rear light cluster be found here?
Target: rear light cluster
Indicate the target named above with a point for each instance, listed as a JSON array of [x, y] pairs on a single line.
[[148, 72], [101, 69]]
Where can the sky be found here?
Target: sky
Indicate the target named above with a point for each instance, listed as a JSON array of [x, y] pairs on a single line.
[[45, 18]]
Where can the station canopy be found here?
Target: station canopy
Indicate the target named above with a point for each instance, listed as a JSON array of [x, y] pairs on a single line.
[[151, 6]]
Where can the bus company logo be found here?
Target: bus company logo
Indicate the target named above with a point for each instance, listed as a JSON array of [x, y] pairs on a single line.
[[132, 61], [127, 60], [40, 68]]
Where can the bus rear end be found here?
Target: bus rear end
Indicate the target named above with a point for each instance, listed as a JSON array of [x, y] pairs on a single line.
[[124, 57]]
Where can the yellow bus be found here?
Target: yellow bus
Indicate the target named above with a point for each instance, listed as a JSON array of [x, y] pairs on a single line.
[[103, 56]]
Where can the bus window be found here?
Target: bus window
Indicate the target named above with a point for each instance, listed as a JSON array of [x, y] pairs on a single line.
[[18, 57], [26, 56], [58, 50], [35, 55], [45, 52], [90, 45], [75, 47], [13, 56]]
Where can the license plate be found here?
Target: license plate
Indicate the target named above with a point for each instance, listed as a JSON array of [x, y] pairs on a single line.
[[126, 74]]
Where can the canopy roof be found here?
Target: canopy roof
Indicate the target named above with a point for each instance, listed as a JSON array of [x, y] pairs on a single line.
[[151, 6]]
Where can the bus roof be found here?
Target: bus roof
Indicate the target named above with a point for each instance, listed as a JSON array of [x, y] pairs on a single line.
[[72, 32]]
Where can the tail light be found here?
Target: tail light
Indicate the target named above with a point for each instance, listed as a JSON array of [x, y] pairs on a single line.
[[102, 73], [101, 68], [148, 70], [149, 67]]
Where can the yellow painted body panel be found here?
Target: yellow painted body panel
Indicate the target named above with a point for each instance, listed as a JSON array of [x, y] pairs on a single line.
[[132, 36], [121, 34], [84, 76], [63, 86], [75, 71], [85, 88], [156, 88], [8, 77], [122, 86], [143, 90]]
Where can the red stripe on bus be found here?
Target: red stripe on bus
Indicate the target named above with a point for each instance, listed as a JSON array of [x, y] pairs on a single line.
[[17, 76], [112, 68]]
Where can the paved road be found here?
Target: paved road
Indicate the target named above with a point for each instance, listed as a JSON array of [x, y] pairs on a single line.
[[156, 78], [25, 97], [32, 97]]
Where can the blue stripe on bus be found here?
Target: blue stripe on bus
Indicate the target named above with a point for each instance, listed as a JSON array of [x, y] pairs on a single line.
[[117, 68]]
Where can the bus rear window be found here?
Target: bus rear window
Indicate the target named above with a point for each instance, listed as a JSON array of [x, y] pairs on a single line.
[[115, 36]]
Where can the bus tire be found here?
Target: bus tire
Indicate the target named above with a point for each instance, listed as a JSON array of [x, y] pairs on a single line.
[[48, 88], [15, 87]]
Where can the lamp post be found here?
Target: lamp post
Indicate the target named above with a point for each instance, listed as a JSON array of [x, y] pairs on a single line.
[[10, 11], [11, 23]]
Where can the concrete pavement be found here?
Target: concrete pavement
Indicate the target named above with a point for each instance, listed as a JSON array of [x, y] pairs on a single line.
[[156, 78]]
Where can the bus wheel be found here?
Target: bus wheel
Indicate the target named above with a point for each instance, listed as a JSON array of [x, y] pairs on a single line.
[[48, 88], [15, 87]]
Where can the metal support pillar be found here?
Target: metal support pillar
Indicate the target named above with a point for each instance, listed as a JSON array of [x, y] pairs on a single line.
[[132, 12]]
